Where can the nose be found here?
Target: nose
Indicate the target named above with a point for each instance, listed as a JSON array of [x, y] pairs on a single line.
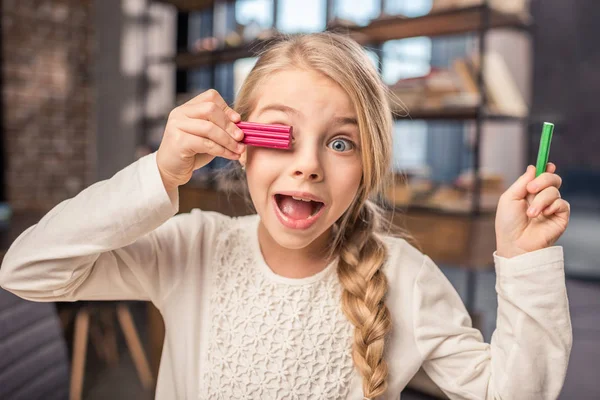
[[307, 163]]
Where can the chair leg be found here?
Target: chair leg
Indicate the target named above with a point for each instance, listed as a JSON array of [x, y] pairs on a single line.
[[103, 336], [110, 337], [82, 322], [135, 346], [98, 341], [65, 318]]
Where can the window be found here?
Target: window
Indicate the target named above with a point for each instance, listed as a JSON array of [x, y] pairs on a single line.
[[241, 69], [408, 8], [295, 16], [409, 145], [254, 11], [403, 59], [360, 12], [406, 58], [373, 56], [398, 59]]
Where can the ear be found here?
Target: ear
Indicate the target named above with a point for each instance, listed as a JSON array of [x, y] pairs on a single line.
[[243, 158]]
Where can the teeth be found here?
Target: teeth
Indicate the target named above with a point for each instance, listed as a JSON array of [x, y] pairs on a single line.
[[299, 198]]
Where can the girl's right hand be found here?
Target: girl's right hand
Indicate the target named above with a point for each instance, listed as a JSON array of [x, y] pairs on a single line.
[[197, 132]]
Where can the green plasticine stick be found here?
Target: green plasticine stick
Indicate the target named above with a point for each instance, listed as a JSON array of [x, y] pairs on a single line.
[[544, 151]]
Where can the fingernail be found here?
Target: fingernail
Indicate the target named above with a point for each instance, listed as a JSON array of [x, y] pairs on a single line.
[[534, 187], [240, 147], [532, 211]]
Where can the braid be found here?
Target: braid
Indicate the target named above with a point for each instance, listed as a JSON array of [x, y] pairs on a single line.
[[362, 255]]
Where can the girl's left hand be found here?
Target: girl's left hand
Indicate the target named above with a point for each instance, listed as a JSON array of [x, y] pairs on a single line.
[[531, 214]]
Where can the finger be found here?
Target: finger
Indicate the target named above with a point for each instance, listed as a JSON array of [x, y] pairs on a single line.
[[518, 190], [212, 112], [559, 206], [213, 96], [551, 168], [210, 130], [542, 200], [543, 181], [204, 145]]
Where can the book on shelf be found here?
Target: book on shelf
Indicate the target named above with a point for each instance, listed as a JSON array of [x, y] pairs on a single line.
[[429, 92], [242, 35], [504, 94], [456, 88], [466, 76]]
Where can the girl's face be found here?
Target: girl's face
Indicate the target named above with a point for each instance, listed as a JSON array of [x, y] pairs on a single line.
[[300, 193]]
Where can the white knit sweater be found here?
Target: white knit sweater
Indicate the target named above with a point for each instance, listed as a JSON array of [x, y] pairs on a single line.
[[236, 330]]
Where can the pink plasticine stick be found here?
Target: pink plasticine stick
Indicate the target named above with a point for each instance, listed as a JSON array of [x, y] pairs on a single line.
[[266, 135], [272, 143], [264, 127]]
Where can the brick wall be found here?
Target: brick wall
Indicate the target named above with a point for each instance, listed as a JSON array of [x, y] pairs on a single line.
[[48, 100]]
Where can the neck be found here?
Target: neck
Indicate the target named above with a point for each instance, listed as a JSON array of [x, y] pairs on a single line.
[[294, 263]]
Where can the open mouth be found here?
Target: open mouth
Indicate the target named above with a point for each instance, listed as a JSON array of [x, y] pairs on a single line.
[[297, 208]]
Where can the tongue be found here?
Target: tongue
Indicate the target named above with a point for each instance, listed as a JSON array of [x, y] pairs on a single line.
[[296, 209]]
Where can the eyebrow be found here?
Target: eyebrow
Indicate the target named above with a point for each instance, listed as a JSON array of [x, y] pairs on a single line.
[[289, 110], [279, 107], [346, 121]]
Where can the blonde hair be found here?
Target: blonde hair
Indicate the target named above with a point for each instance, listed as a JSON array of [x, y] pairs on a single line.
[[357, 241]]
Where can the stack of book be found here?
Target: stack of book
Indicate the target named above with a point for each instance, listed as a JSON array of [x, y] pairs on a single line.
[[456, 88]]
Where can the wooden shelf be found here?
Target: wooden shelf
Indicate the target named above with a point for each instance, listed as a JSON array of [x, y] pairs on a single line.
[[458, 240], [459, 115], [206, 198], [450, 237], [446, 22], [190, 5], [454, 114], [415, 208], [204, 58]]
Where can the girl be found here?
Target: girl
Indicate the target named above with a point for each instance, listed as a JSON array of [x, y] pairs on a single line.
[[308, 299]]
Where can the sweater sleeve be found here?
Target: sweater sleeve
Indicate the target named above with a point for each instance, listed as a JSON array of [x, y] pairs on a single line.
[[114, 240], [530, 348]]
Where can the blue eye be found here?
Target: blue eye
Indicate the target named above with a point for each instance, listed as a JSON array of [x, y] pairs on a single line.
[[341, 145]]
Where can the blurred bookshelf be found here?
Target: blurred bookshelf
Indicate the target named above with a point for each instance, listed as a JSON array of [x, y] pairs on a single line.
[[445, 235], [190, 5], [454, 224], [447, 114], [438, 23], [187, 60], [468, 20], [455, 114]]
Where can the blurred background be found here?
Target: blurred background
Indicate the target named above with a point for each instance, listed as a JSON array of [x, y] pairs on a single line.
[[87, 86]]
